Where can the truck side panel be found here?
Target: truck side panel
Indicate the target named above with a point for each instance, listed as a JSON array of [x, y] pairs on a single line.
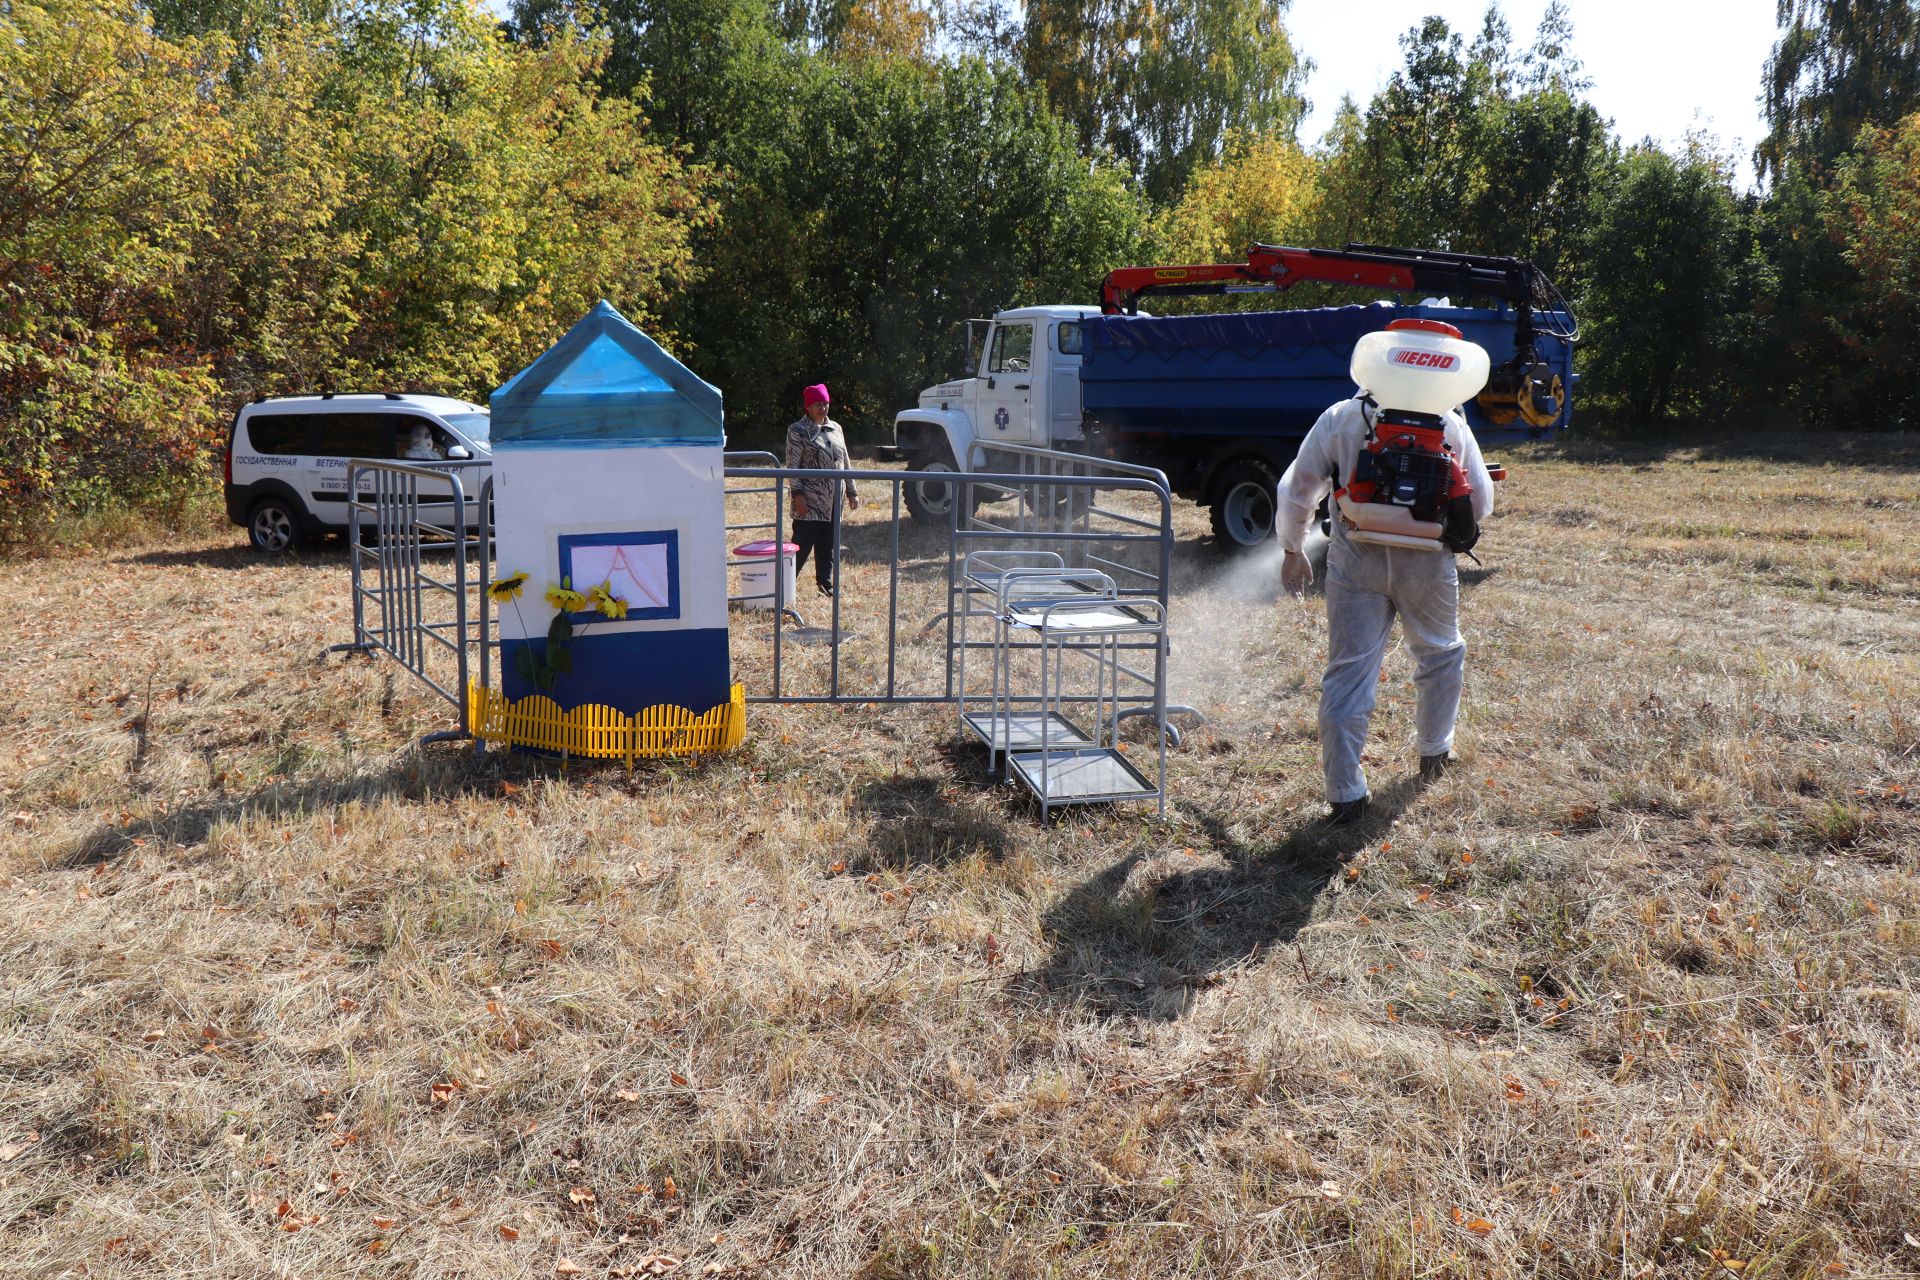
[[1265, 373]]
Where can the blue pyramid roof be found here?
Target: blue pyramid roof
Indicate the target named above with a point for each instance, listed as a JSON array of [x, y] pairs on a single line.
[[606, 384]]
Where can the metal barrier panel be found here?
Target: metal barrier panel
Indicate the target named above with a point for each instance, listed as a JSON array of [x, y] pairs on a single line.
[[410, 530], [1134, 546], [843, 660], [415, 599]]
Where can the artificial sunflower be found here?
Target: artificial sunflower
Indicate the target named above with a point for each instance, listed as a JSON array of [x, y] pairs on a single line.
[[565, 598], [609, 605], [506, 589]]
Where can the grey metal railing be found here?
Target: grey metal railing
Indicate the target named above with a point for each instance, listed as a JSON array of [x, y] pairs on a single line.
[[964, 534], [402, 519], [433, 621], [1047, 506]]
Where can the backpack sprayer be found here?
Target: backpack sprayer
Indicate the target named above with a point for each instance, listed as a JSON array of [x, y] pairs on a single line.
[[1408, 489]]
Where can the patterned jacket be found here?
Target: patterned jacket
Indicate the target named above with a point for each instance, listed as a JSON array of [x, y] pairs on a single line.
[[818, 448]]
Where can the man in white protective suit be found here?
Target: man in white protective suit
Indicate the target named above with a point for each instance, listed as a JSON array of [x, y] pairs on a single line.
[[1368, 586]]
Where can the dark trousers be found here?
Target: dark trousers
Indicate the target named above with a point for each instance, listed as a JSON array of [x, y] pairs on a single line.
[[815, 536]]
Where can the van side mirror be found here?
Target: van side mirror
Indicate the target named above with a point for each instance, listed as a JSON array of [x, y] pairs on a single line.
[[457, 453]]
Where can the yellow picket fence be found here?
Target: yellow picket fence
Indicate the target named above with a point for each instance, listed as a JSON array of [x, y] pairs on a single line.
[[601, 733]]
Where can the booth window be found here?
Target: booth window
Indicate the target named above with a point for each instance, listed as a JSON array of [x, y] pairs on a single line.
[[641, 568]]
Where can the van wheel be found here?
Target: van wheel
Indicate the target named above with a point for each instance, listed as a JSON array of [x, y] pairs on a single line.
[[275, 527], [930, 500], [1243, 504]]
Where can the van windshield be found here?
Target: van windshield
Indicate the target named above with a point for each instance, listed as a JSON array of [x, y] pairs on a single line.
[[474, 426]]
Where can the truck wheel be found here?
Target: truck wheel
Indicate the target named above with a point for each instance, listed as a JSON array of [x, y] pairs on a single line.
[[930, 501], [1243, 504]]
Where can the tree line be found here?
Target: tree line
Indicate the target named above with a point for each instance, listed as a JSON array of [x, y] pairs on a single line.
[[206, 200]]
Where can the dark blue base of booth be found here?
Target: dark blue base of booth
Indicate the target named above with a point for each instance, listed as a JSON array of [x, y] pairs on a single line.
[[632, 671]]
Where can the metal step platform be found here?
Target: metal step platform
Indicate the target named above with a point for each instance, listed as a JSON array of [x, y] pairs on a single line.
[[1025, 730], [1082, 776]]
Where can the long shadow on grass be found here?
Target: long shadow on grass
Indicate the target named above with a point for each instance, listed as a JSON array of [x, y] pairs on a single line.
[[327, 556], [929, 819], [417, 775], [1127, 945]]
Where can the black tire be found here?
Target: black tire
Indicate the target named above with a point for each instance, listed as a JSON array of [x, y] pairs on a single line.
[[1242, 504], [276, 525], [931, 501]]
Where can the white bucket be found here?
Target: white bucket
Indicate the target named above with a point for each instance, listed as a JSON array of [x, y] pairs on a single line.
[[756, 575]]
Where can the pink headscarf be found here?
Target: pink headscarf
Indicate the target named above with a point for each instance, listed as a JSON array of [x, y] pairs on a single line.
[[815, 394]]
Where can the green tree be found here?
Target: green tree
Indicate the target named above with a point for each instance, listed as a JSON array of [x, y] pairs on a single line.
[[1838, 66], [421, 203], [398, 198], [1474, 148], [1260, 190], [895, 205], [106, 138], [706, 68], [1665, 232], [1160, 85], [1872, 217]]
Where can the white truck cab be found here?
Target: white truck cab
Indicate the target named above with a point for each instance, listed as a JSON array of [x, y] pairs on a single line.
[[1022, 386]]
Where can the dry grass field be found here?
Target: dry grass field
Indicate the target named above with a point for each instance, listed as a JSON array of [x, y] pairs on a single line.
[[1632, 993]]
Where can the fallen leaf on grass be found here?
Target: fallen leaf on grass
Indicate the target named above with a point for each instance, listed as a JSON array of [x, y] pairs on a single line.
[[580, 1195], [508, 1233], [677, 1078], [566, 1267], [627, 1095], [667, 1190], [14, 1148], [1331, 1189], [1479, 1226], [383, 1224]]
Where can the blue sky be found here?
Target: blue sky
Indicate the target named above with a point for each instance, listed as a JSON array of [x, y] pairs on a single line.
[[1659, 67]]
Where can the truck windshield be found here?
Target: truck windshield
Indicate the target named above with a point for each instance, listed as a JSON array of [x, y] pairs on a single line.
[[976, 346]]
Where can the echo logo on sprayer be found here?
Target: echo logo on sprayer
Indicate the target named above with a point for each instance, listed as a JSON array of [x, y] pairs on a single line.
[[1435, 360]]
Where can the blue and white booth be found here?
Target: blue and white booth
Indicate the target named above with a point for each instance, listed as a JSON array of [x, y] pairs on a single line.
[[607, 467]]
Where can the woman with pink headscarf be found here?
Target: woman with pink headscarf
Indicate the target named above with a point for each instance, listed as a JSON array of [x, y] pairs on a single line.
[[816, 443]]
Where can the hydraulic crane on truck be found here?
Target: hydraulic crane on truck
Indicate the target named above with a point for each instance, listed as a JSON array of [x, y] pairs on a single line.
[[1523, 387]]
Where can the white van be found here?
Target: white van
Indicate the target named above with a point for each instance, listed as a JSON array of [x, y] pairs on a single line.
[[286, 474]]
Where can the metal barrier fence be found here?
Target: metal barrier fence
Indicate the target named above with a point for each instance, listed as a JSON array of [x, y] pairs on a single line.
[[1052, 501], [396, 534], [1070, 506], [1087, 512], [1062, 513]]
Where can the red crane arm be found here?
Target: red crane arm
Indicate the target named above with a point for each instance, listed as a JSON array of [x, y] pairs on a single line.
[[1367, 266]]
